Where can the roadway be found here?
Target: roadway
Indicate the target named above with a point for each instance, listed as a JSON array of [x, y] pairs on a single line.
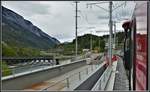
[[67, 81], [31, 66], [60, 83], [63, 81], [24, 67]]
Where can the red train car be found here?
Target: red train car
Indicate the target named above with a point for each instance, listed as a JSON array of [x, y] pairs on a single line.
[[136, 46]]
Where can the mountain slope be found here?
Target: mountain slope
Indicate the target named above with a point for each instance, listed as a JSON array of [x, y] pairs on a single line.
[[18, 31], [84, 41]]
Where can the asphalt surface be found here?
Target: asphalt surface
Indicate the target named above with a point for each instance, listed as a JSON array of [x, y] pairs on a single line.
[[59, 83], [35, 66]]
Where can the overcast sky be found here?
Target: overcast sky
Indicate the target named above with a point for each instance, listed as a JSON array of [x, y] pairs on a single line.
[[57, 18]]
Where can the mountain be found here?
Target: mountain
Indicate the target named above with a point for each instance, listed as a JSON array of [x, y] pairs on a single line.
[[18, 31], [84, 42], [68, 48]]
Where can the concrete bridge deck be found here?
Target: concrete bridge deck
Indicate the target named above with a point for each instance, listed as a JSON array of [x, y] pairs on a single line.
[[59, 83], [22, 80]]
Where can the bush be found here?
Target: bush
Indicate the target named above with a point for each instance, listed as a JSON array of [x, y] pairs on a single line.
[[5, 70], [14, 51]]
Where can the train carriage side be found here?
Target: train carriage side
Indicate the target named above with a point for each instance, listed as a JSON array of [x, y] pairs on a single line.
[[141, 47], [136, 54]]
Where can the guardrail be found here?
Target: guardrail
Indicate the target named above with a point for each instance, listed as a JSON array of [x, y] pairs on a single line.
[[90, 81], [71, 81], [29, 67], [26, 79], [25, 68], [101, 83]]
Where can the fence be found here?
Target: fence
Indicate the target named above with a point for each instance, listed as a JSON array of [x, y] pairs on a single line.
[[71, 81], [101, 83]]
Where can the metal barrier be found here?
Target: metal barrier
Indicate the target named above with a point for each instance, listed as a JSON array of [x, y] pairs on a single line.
[[90, 81], [101, 83], [31, 67], [26, 79], [21, 69], [71, 81]]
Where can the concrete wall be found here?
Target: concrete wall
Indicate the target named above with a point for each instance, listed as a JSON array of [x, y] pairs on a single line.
[[91, 81], [24, 81]]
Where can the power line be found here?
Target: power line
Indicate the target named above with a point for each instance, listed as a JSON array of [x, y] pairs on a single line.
[[85, 18], [110, 28], [119, 6], [96, 3], [102, 8]]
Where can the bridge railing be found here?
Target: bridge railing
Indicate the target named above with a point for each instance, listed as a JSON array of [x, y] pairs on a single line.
[[18, 60], [71, 81], [102, 82], [25, 68]]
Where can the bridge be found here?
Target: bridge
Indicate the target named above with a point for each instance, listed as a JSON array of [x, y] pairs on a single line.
[[76, 75], [16, 60]]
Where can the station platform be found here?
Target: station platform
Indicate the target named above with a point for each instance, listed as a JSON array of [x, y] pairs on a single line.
[[121, 80]]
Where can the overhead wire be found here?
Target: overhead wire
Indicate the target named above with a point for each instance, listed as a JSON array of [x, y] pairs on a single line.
[[117, 16], [120, 15]]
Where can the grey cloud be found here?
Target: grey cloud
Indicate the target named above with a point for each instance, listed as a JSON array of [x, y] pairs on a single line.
[[28, 8], [58, 18], [103, 17]]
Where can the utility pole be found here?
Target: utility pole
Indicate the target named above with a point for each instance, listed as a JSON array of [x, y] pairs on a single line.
[[99, 44], [110, 32], [110, 23], [76, 27], [110, 27], [91, 42], [114, 34]]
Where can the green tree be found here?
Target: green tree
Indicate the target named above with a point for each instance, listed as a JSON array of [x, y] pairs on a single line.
[[5, 70], [7, 50], [102, 45]]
